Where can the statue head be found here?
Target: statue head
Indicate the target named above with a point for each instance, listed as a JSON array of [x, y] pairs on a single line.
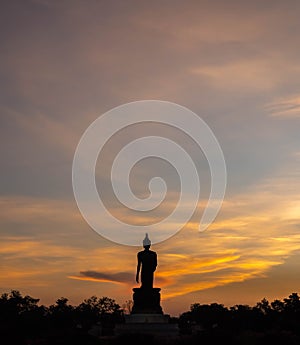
[[146, 242]]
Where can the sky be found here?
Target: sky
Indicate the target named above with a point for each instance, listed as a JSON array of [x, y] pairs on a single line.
[[236, 64]]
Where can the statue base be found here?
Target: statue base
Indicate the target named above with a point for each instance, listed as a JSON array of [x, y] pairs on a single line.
[[147, 316], [145, 324], [146, 301]]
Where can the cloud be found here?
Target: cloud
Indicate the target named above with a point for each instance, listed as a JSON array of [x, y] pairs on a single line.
[[118, 278], [66, 67], [255, 231], [287, 107], [250, 74]]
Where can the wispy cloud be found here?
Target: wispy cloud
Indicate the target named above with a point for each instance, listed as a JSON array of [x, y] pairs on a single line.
[[256, 230], [118, 278], [286, 107], [223, 61], [255, 74]]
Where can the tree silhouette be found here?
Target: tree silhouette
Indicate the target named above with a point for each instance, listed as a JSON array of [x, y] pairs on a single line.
[[93, 309], [24, 321]]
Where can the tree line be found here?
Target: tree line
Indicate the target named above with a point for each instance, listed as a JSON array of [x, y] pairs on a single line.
[[24, 321], [266, 322]]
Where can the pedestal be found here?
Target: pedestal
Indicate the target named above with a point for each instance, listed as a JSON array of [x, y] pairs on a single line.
[[146, 301], [147, 316]]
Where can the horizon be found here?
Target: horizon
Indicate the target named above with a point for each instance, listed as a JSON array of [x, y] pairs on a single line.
[[234, 64], [123, 307]]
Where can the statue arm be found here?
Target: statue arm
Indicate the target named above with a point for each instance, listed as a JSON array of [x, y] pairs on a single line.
[[155, 262], [138, 269]]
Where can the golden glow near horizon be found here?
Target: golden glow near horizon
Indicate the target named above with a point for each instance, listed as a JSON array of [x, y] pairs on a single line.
[[191, 261], [237, 66]]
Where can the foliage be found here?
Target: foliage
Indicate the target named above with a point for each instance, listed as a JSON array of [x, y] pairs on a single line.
[[277, 315], [24, 321], [58, 320]]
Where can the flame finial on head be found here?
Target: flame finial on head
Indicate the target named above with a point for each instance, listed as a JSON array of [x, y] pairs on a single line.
[[146, 241]]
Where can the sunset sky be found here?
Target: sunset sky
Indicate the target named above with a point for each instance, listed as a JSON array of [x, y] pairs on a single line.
[[234, 63]]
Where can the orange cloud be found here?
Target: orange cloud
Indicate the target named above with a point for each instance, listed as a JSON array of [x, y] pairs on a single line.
[[254, 232]]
